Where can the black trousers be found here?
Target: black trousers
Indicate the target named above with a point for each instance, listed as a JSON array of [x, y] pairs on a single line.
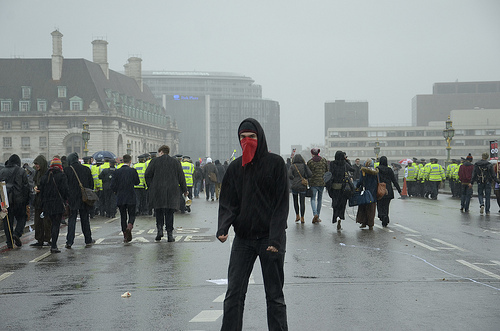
[[124, 211]]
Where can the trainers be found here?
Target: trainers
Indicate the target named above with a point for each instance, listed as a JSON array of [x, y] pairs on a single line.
[[55, 250], [481, 209], [87, 245]]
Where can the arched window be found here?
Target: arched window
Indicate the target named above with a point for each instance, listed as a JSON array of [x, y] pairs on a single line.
[[74, 144]]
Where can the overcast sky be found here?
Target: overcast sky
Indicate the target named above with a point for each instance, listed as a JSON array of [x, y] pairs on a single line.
[[303, 53]]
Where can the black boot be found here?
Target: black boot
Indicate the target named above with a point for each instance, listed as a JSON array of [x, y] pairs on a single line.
[[159, 235], [170, 237]]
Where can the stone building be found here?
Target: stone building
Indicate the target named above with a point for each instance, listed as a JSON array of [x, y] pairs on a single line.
[[44, 103]]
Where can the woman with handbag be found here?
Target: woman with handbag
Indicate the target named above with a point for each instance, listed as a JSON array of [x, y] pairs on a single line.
[[368, 180], [54, 191], [386, 175], [339, 189], [298, 174]]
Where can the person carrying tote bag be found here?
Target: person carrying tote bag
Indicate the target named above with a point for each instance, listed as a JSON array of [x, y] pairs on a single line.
[[386, 176], [369, 181]]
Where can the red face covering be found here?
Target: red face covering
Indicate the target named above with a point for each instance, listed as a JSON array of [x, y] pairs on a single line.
[[249, 146]]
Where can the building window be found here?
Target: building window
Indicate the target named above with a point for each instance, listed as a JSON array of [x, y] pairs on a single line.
[[24, 106], [61, 91], [25, 141], [25, 125], [7, 142], [26, 92], [6, 105], [75, 124], [7, 125], [41, 105], [43, 125], [74, 144], [43, 141], [75, 103]]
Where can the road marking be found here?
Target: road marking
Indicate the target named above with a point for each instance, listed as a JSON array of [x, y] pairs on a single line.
[[187, 230], [447, 244], [151, 231], [41, 257], [100, 240], [481, 270], [405, 228], [139, 232], [198, 238], [496, 262], [207, 316], [5, 275], [422, 244], [140, 239], [220, 298], [382, 228]]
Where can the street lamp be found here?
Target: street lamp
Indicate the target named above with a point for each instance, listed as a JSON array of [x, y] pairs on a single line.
[[448, 134], [85, 136], [376, 149], [129, 147]]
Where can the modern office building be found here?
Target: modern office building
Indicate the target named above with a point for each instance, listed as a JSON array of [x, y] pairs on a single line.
[[346, 114], [44, 103], [474, 129], [208, 108], [446, 97]]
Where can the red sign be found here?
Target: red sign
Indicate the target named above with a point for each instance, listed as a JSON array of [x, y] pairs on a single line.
[[494, 150]]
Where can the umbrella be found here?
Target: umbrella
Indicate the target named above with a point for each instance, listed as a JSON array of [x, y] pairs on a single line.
[[405, 161], [396, 165], [103, 154]]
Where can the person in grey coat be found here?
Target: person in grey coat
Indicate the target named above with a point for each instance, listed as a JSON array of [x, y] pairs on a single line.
[[165, 180], [297, 171]]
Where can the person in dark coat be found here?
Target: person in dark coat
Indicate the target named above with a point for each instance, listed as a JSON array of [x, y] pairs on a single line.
[[297, 171], [465, 176], [386, 175], [122, 184], [209, 171], [198, 179], [54, 193], [109, 203], [165, 180], [368, 181], [221, 171], [78, 173], [42, 225], [18, 197], [255, 201], [338, 168]]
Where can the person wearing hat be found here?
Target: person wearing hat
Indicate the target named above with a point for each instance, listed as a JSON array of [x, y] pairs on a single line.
[[109, 201], [140, 189], [319, 166], [188, 169], [165, 180], [78, 173], [434, 175], [54, 192], [420, 178], [411, 177], [450, 170], [465, 177], [485, 176], [254, 200]]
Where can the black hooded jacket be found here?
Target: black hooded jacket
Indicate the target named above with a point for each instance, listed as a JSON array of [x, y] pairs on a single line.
[[85, 177], [21, 189], [254, 198]]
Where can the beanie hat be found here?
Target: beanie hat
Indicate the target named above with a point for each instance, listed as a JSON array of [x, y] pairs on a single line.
[[315, 151], [247, 127], [469, 157], [56, 163]]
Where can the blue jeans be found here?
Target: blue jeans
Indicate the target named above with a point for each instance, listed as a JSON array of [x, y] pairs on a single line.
[[209, 190], [466, 194], [84, 220], [316, 206], [484, 193], [244, 252], [197, 187]]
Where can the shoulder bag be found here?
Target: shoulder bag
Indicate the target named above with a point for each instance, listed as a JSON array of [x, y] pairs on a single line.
[[88, 194], [303, 180], [381, 189], [347, 185]]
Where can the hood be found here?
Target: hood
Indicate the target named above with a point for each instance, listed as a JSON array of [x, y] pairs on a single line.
[[72, 158], [261, 138], [383, 160], [339, 156], [482, 162], [13, 160], [297, 158]]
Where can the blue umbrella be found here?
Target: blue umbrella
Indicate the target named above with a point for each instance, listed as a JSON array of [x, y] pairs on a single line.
[[103, 154]]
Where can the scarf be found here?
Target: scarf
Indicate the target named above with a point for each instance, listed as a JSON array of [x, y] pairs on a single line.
[[249, 147]]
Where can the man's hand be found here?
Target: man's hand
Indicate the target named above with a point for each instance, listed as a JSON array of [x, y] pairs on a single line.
[[223, 238], [272, 249], [186, 193]]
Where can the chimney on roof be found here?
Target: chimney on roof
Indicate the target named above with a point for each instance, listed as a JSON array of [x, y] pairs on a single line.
[[100, 55], [133, 70], [57, 58]]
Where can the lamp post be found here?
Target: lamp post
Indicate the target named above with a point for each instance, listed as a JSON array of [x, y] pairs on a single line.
[[376, 149], [85, 136], [129, 147], [448, 134]]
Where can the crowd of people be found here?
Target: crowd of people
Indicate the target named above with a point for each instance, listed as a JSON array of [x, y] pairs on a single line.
[[51, 191]]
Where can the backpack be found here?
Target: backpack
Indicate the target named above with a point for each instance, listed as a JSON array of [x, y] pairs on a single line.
[[483, 174], [14, 193]]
